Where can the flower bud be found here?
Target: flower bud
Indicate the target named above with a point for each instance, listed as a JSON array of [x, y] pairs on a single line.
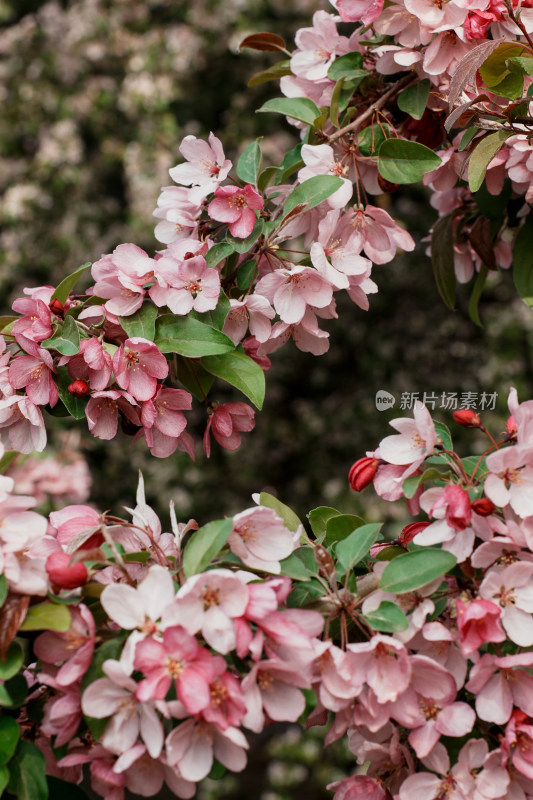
[[57, 308], [62, 574], [410, 531], [510, 427], [467, 418], [362, 473], [484, 507], [78, 388]]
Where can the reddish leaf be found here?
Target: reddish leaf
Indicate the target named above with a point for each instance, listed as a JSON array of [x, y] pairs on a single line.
[[465, 70], [481, 240], [458, 112], [264, 41], [12, 615]]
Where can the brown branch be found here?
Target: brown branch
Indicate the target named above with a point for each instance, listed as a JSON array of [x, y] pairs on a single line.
[[383, 100]]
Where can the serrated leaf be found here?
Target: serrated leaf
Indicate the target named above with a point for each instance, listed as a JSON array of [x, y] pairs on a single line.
[[313, 191], [240, 371], [286, 513], [68, 283], [300, 108], [340, 526], [442, 258], [9, 737], [413, 100], [318, 519], [47, 617], [13, 661], [66, 339], [351, 550], [264, 41], [204, 544], [522, 262], [348, 66], [411, 484], [74, 405], [189, 337], [274, 72], [411, 571], [27, 773], [218, 253], [142, 323], [249, 163], [387, 618], [403, 161], [482, 154]]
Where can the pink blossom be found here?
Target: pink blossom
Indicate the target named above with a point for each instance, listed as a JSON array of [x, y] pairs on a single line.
[[21, 424], [317, 47], [457, 504], [120, 278], [345, 263], [138, 364], [358, 787], [185, 284], [163, 421], [271, 692], [518, 743], [499, 686], [72, 651], [381, 663], [205, 165], [415, 441], [143, 606], [261, 539], [178, 212], [91, 364], [63, 574], [62, 712], [35, 375], [478, 622], [373, 230], [193, 745], [255, 312], [228, 705], [102, 412], [320, 159], [75, 525], [35, 325], [236, 206], [292, 290], [306, 334], [512, 590], [226, 422], [511, 479]]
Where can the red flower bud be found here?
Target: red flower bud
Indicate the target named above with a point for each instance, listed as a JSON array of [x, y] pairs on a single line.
[[57, 308], [62, 574], [410, 531], [484, 507], [362, 473], [510, 427], [467, 418], [79, 388]]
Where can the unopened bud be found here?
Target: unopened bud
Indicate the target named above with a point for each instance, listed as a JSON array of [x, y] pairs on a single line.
[[467, 418], [62, 574], [510, 427], [57, 308], [362, 473], [79, 388], [410, 531], [325, 563], [484, 507]]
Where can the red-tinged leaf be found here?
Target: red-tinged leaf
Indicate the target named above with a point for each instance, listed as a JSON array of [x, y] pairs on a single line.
[[264, 41], [481, 240], [12, 615], [466, 68]]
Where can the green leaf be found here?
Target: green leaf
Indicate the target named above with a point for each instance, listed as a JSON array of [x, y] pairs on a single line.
[[13, 692], [189, 337], [292, 160], [243, 245], [388, 553], [293, 567], [413, 100], [476, 294], [411, 484], [402, 161], [66, 339], [482, 155], [467, 137], [356, 546], [246, 273], [388, 618], [217, 316], [142, 323], [4, 778], [271, 74], [498, 76], [62, 790], [443, 433], [347, 66], [312, 191], [13, 661], [27, 770], [370, 139], [68, 283], [194, 378], [442, 259], [413, 570], [288, 516], [249, 163], [265, 178], [74, 405], [218, 253], [47, 616], [340, 526], [6, 461], [9, 737], [493, 206], [522, 262], [240, 371], [318, 519], [204, 545], [334, 105], [520, 65], [4, 589], [300, 108], [6, 321]]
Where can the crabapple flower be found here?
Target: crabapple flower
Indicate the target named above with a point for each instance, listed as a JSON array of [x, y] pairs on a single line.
[[292, 290], [254, 312], [143, 606], [120, 278], [271, 691], [382, 663], [261, 539], [178, 213], [236, 206], [317, 48], [21, 424], [320, 159], [63, 574], [71, 651], [512, 590], [511, 479], [478, 622], [499, 686], [227, 421], [102, 412], [138, 364], [205, 165], [415, 441], [194, 744], [35, 375], [163, 421], [306, 334], [358, 787], [92, 364], [186, 284]]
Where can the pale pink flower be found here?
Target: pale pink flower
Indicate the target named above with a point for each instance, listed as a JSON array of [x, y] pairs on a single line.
[[261, 539], [373, 230], [254, 312], [512, 590], [292, 290], [333, 259], [317, 47], [145, 775], [178, 212], [511, 478], [142, 607], [35, 375], [478, 622], [185, 284], [120, 278], [72, 651], [271, 692], [138, 364], [163, 421], [415, 441], [205, 165], [358, 787], [382, 663], [406, 28], [91, 364], [62, 713], [499, 686], [320, 159], [75, 524], [436, 502], [35, 325], [306, 334], [433, 17], [236, 206], [102, 412], [226, 422], [334, 691], [193, 745], [21, 424], [518, 743]]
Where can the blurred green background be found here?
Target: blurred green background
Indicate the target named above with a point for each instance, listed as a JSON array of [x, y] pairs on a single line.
[[96, 96]]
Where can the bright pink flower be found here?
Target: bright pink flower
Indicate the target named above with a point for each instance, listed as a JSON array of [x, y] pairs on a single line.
[[457, 504], [102, 412], [35, 375], [228, 704], [184, 285], [478, 622], [261, 539], [91, 364], [138, 364], [226, 422], [518, 743], [64, 574], [236, 206]]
